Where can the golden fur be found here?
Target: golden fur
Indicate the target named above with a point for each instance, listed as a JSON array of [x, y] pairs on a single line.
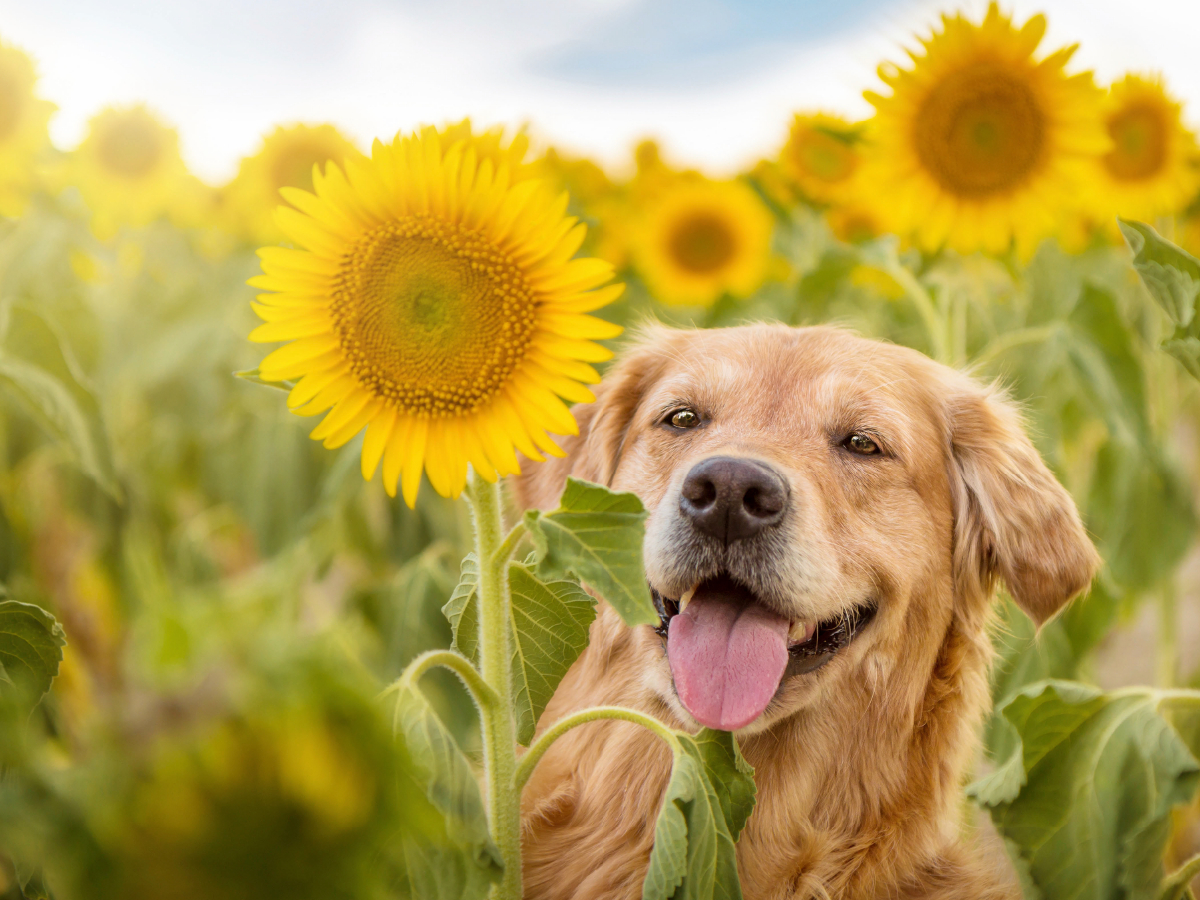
[[860, 764]]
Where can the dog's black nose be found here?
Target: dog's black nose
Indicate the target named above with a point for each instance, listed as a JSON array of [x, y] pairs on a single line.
[[731, 499]]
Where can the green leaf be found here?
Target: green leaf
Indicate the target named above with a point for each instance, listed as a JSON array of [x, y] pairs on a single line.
[[1086, 795], [1187, 351], [254, 376], [1101, 347], [442, 770], [1140, 508], [1170, 273], [462, 611], [31, 643], [39, 369], [550, 623], [596, 535], [694, 854], [731, 776]]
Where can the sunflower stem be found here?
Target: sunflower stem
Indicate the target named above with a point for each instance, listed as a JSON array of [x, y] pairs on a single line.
[[495, 664], [539, 747]]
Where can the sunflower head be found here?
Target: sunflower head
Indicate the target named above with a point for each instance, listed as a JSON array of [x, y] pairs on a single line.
[[23, 133], [286, 158], [981, 143], [855, 223], [129, 170], [821, 156], [434, 301], [700, 239], [1151, 168]]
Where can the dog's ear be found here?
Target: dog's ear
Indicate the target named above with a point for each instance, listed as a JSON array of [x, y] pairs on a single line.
[[1013, 520], [594, 453]]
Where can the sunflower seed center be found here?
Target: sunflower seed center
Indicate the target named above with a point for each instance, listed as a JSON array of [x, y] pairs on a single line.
[[981, 131], [701, 243], [1139, 135], [432, 316]]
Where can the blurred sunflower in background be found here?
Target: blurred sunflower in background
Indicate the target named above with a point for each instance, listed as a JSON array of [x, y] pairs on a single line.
[[285, 159], [980, 145], [23, 135], [821, 156], [700, 239], [1151, 169], [595, 198], [130, 172], [436, 303], [855, 222]]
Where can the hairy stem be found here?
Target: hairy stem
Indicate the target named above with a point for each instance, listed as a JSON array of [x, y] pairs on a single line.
[[539, 747], [495, 664], [505, 551], [456, 663], [1175, 886]]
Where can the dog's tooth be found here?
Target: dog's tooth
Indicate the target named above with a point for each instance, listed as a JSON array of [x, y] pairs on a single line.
[[802, 631], [687, 596]]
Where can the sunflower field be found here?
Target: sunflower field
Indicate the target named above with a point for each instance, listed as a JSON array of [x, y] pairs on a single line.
[[209, 607]]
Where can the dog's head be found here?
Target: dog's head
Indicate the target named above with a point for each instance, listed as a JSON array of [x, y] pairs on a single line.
[[821, 507]]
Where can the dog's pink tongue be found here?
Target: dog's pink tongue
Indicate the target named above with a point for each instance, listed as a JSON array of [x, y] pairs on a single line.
[[727, 655]]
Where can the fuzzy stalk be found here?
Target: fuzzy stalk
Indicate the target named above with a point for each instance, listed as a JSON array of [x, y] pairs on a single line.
[[495, 665]]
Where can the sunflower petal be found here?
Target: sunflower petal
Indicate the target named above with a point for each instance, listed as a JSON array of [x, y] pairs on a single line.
[[414, 461]]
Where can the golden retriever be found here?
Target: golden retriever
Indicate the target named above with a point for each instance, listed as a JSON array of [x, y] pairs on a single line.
[[828, 517]]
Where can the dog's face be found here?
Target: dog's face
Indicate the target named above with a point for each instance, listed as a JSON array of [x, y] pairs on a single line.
[[820, 505]]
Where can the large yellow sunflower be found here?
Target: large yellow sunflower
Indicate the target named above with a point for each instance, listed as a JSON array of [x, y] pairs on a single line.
[[699, 239], [1151, 169], [980, 144], [434, 302], [821, 156], [129, 170], [285, 159], [23, 120]]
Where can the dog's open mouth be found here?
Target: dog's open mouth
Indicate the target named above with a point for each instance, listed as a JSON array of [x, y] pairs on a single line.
[[729, 652]]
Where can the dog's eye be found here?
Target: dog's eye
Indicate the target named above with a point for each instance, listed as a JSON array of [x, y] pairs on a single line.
[[860, 443], [684, 418]]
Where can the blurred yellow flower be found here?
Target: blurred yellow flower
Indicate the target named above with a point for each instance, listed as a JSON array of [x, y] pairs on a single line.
[[821, 156], [855, 222], [701, 239], [129, 171], [436, 303], [23, 120], [285, 159], [583, 179], [981, 145], [1151, 169], [1187, 232]]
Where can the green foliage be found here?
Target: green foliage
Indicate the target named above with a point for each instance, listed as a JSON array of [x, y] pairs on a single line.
[[707, 802], [1085, 796], [31, 643], [1172, 276], [467, 862], [596, 535], [1170, 273], [550, 624], [230, 588]]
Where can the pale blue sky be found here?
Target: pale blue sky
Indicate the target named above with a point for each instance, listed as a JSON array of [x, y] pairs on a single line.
[[714, 80]]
